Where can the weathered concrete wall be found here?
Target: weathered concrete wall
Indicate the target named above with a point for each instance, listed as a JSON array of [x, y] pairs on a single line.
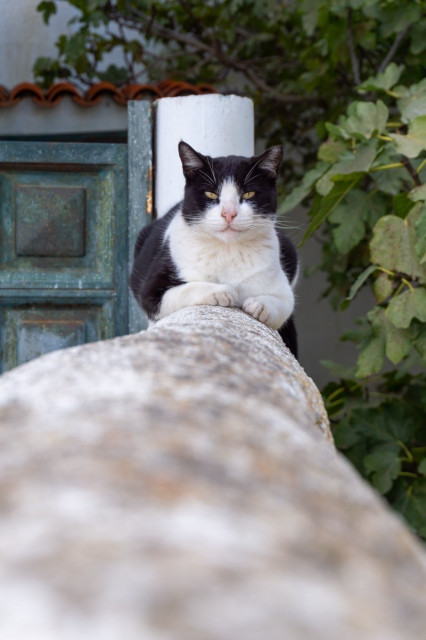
[[181, 484]]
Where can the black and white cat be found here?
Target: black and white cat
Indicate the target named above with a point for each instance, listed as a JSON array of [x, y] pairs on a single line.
[[219, 246]]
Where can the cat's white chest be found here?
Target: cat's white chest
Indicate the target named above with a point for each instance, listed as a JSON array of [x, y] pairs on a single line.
[[248, 266]]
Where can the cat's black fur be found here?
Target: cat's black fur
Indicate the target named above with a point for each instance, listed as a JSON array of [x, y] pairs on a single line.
[[155, 271]]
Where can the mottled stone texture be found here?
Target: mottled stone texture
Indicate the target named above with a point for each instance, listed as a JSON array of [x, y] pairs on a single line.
[[181, 484]]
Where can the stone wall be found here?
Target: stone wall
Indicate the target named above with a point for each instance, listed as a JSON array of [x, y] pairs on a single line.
[[182, 484]]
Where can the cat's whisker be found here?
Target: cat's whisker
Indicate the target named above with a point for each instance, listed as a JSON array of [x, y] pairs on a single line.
[[248, 180], [210, 163], [252, 169], [209, 179], [289, 226]]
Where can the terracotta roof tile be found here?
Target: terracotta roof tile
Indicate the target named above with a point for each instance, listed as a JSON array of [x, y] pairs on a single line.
[[51, 97]]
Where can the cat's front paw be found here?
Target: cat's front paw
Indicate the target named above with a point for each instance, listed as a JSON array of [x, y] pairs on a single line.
[[223, 296], [257, 309]]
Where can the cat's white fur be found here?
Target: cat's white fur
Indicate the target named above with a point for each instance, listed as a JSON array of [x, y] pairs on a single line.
[[229, 264]]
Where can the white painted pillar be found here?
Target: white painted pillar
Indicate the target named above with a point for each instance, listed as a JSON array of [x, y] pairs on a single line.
[[213, 124]]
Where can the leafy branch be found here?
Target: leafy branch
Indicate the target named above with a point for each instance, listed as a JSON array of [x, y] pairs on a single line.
[[394, 48], [370, 204], [214, 51], [300, 62]]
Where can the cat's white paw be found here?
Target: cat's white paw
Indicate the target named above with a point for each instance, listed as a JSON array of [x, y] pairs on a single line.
[[257, 309], [223, 296]]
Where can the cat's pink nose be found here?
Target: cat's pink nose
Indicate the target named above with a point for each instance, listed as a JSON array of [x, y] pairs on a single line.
[[229, 213]]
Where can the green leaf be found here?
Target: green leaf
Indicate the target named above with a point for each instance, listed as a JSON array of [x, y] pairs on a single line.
[[418, 193], [363, 277], [419, 342], [385, 466], [398, 342], [385, 339], [346, 434], [389, 246], [383, 81], [363, 122], [303, 190], [327, 204], [47, 9], [390, 181], [396, 16], [348, 233], [376, 206], [422, 467], [351, 163], [418, 40], [393, 245], [402, 205], [420, 230], [115, 75], [412, 102], [74, 48], [395, 422], [366, 119], [389, 423], [382, 287], [331, 150], [406, 306], [370, 359], [348, 215], [414, 142], [413, 505], [309, 11], [337, 131], [416, 225]]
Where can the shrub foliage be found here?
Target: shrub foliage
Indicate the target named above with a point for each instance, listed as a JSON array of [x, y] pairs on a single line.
[[370, 201]]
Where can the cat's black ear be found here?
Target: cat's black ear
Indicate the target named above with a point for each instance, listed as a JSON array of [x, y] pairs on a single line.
[[270, 160], [191, 159]]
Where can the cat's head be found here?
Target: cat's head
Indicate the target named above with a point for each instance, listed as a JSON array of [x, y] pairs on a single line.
[[231, 197]]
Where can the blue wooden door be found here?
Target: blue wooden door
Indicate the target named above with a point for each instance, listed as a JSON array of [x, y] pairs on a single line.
[[63, 246]]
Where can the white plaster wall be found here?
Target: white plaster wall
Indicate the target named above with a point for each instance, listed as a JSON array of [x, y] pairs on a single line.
[[24, 37], [214, 124]]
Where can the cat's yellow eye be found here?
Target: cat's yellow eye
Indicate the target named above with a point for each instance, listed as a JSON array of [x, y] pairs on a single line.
[[248, 195], [211, 195]]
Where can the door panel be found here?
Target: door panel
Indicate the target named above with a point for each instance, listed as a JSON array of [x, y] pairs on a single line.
[[31, 330], [63, 246], [61, 229], [69, 218]]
